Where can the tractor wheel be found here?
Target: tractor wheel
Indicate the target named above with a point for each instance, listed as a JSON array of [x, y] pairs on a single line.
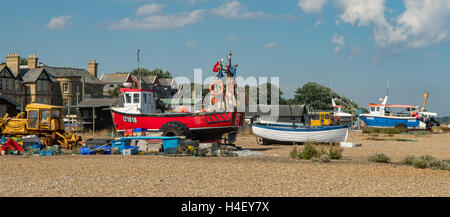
[[175, 128]]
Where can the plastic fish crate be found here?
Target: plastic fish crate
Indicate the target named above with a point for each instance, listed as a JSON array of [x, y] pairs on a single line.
[[87, 151]]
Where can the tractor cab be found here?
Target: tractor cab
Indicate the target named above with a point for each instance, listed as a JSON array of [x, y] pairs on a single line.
[[44, 117], [321, 119]]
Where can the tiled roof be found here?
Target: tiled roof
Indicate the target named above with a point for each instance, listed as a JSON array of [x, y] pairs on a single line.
[[114, 78], [32, 75], [61, 72]]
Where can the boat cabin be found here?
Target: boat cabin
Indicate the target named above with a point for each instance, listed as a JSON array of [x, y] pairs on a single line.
[[383, 110], [138, 101]]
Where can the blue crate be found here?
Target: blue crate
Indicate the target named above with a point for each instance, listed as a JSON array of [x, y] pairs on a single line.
[[87, 151], [49, 153], [37, 147], [41, 153], [139, 130], [170, 144]]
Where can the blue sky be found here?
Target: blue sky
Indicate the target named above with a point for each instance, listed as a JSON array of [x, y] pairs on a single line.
[[350, 45]]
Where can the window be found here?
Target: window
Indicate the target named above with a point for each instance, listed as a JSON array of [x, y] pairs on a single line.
[[111, 85], [44, 85], [144, 96], [136, 98], [378, 109], [65, 87], [32, 118], [7, 84], [372, 109], [127, 98], [1, 84], [327, 116], [45, 114]]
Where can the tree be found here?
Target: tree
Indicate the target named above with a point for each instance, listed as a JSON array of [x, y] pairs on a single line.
[[319, 97], [155, 72], [269, 90], [115, 93]]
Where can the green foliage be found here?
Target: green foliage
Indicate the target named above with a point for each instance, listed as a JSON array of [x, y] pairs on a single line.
[[155, 72], [294, 154], [379, 158], [408, 160], [115, 93], [324, 158], [420, 163], [319, 97], [308, 151], [426, 161], [334, 152], [267, 89], [23, 61]]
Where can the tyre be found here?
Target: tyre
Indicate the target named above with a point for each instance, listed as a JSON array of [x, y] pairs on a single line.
[[175, 128], [400, 126]]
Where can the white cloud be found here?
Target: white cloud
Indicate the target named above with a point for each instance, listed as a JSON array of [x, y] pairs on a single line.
[[59, 22], [160, 21], [271, 45], [312, 6], [423, 23], [338, 39], [364, 12], [236, 10], [317, 23], [191, 43], [149, 9]]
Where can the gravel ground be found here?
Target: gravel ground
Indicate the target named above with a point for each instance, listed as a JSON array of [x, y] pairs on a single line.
[[271, 175]]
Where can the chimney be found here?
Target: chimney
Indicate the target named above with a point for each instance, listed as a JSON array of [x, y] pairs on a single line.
[[32, 61], [92, 67], [12, 62]]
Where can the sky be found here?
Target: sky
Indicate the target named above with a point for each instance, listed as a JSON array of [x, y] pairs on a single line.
[[355, 47]]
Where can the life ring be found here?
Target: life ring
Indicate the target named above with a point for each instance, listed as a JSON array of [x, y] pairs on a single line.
[[211, 87]]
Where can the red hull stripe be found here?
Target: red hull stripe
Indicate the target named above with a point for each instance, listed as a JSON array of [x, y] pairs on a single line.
[[191, 120]]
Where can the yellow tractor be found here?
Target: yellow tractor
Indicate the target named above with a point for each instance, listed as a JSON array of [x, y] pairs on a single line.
[[44, 121]]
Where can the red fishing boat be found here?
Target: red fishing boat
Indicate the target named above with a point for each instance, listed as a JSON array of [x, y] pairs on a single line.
[[139, 111]]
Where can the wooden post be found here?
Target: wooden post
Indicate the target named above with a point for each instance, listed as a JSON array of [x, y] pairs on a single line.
[[93, 119]]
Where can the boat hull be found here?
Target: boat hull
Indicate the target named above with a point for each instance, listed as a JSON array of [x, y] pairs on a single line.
[[390, 122], [285, 133], [204, 126]]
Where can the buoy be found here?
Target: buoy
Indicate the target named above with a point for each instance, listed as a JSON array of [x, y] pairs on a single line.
[[211, 87]]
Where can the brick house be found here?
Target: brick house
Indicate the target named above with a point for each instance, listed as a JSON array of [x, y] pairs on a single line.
[[36, 82]]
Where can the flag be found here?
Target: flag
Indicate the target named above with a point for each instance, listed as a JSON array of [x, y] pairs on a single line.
[[216, 67]]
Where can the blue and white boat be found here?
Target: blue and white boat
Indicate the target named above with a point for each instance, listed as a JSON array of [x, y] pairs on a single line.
[[288, 133], [380, 116]]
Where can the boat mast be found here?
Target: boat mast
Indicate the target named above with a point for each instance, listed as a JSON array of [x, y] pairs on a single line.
[[139, 70]]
